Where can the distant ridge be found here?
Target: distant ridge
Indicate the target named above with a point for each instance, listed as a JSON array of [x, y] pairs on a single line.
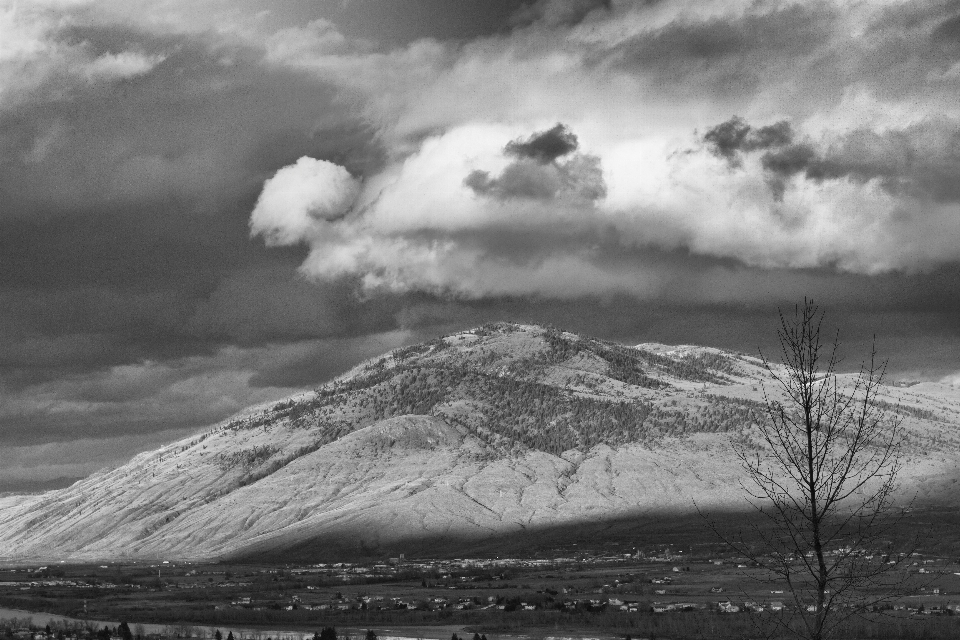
[[504, 430]]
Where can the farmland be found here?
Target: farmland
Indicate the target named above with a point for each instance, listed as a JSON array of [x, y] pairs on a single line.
[[680, 592]]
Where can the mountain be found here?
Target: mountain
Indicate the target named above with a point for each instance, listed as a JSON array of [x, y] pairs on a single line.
[[464, 442]]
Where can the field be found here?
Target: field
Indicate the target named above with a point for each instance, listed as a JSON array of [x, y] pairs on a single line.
[[673, 591]]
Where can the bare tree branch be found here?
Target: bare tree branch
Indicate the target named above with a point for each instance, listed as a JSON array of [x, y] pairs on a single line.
[[824, 480]]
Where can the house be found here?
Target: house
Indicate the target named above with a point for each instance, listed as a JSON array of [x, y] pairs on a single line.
[[728, 607]]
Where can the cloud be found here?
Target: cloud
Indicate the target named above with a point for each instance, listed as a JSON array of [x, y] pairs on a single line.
[[439, 223], [544, 146], [920, 161], [48, 465], [635, 84], [120, 66], [37, 61], [144, 397], [270, 304], [737, 196], [317, 361], [438, 185], [185, 393], [728, 139], [298, 197], [555, 13], [537, 173], [518, 180]]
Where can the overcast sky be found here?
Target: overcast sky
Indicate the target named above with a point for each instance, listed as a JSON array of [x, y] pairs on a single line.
[[206, 204]]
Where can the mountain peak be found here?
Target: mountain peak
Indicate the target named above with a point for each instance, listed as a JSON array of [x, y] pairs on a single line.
[[503, 428]]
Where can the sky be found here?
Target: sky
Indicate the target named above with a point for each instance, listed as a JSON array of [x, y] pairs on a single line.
[[207, 204]]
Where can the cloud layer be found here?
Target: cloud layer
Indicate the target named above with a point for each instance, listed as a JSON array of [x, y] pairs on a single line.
[[828, 163]]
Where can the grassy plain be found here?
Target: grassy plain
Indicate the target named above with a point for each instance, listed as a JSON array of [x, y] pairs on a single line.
[[603, 592]]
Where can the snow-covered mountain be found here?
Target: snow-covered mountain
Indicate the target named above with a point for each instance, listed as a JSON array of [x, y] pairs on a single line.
[[503, 429]]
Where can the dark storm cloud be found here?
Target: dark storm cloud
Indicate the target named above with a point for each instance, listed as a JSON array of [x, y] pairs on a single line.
[[905, 312], [321, 360], [518, 180], [555, 13], [729, 54], [544, 146], [174, 139], [275, 304], [134, 301], [402, 21], [728, 139], [920, 161], [140, 191], [126, 269], [948, 31], [537, 173]]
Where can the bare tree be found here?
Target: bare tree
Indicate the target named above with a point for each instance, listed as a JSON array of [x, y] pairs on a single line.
[[822, 475]]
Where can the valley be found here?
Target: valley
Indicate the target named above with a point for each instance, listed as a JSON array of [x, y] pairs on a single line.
[[611, 592]]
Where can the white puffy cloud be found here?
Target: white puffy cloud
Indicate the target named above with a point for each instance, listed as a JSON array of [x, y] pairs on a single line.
[[119, 66], [299, 198], [426, 224], [454, 212]]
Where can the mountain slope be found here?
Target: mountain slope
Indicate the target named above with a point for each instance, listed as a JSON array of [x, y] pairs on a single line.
[[503, 429]]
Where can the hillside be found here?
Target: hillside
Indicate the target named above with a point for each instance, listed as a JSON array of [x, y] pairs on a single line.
[[504, 429]]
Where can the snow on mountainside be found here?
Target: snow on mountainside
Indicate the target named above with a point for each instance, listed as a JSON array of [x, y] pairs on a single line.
[[501, 429]]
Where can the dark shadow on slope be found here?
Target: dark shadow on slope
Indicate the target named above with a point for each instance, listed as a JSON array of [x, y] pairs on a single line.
[[651, 532]]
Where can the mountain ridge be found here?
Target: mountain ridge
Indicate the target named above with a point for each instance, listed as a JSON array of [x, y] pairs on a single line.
[[497, 430]]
